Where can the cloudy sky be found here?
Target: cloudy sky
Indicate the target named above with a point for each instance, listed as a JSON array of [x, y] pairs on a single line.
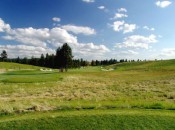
[[95, 29]]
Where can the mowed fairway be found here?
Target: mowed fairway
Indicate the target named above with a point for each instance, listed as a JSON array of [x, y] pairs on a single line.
[[138, 95]]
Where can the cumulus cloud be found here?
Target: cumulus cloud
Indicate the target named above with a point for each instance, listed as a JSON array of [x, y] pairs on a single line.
[[79, 29], [148, 28], [122, 10], [137, 42], [163, 4], [88, 1], [34, 41], [41, 37], [122, 26], [58, 36], [56, 19], [28, 36], [90, 50], [4, 27], [25, 51], [118, 25], [129, 28], [120, 15]]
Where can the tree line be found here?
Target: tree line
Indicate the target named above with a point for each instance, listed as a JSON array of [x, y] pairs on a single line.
[[63, 59]]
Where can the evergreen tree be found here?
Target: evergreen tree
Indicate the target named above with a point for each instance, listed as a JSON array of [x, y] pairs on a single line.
[[42, 60], [3, 55], [93, 63], [64, 56], [47, 60], [58, 58], [18, 60]]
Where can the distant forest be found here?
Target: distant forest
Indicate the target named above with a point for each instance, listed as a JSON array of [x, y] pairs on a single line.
[[62, 59]]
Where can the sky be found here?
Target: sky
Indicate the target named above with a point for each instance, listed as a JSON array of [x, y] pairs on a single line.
[[95, 29]]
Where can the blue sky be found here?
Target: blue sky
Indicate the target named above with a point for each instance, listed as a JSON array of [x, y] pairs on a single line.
[[95, 29]]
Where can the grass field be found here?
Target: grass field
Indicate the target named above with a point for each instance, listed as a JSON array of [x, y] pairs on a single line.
[[138, 95]]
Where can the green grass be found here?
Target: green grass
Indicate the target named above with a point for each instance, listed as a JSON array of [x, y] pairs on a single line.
[[139, 86], [16, 66], [91, 120], [29, 76], [146, 66]]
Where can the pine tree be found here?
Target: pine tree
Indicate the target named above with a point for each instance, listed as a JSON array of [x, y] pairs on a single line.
[[64, 57], [42, 60], [3, 55]]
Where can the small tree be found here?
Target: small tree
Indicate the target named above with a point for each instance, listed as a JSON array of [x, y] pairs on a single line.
[[3, 55]]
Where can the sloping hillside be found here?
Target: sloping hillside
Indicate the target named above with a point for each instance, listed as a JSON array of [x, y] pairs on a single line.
[[16, 66], [145, 65]]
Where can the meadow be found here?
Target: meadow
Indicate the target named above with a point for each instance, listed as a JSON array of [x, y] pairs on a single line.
[[137, 95]]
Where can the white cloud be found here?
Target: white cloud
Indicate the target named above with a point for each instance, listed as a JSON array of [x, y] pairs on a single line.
[[148, 28], [91, 47], [137, 41], [122, 10], [56, 19], [90, 50], [34, 41], [3, 26], [58, 36], [118, 53], [41, 37], [88, 1], [101, 7], [167, 53], [25, 51], [79, 29], [30, 36], [129, 52], [129, 28], [120, 15], [118, 25], [163, 4], [122, 26]]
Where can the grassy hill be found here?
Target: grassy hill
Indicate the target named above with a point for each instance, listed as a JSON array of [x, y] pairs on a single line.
[[145, 65], [28, 96], [16, 66]]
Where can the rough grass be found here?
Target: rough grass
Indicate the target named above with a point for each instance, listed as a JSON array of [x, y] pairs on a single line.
[[33, 90], [138, 85]]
